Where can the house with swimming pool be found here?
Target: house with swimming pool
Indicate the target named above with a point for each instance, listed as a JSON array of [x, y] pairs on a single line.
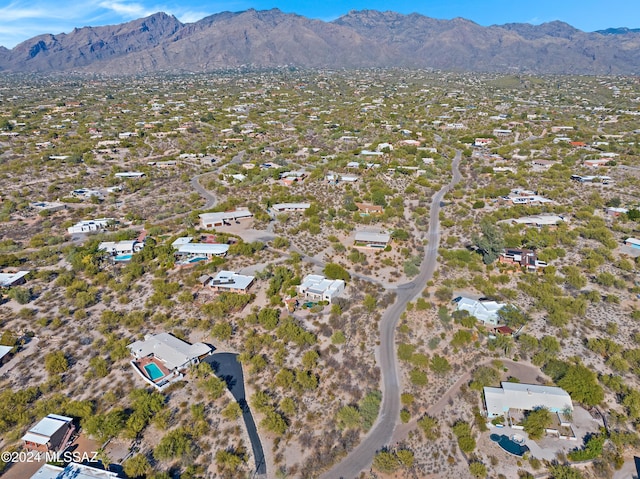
[[162, 359]]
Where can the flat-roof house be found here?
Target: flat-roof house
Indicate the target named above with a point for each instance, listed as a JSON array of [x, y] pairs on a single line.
[[4, 353], [615, 212], [632, 242], [485, 311], [526, 258], [287, 207], [208, 250], [73, 470], [50, 434], [13, 279], [597, 163], [88, 226], [319, 288], [537, 220], [231, 282], [181, 241], [129, 174], [372, 239], [212, 220], [50, 207], [525, 397], [121, 247], [162, 358]]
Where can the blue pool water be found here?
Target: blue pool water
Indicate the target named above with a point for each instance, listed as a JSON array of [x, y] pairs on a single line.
[[153, 371], [509, 445], [123, 257], [197, 259]]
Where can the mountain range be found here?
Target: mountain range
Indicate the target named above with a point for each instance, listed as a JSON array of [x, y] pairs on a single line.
[[359, 39]]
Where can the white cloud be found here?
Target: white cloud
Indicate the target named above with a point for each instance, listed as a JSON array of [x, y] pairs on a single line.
[[132, 10]]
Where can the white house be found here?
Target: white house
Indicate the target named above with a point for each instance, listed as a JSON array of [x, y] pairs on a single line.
[[212, 220], [88, 226], [73, 470], [525, 397], [121, 247], [13, 279], [287, 207], [372, 239], [319, 288], [231, 282], [129, 174], [203, 249], [171, 351], [485, 311]]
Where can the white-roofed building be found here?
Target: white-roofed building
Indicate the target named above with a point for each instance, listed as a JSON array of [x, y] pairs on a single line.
[[525, 397], [286, 207], [162, 358], [485, 311], [319, 288], [632, 242], [4, 352], [181, 241], [89, 226], [212, 220], [50, 434], [13, 279], [129, 174], [537, 220], [173, 352], [231, 282], [121, 247], [372, 239], [73, 471], [208, 250]]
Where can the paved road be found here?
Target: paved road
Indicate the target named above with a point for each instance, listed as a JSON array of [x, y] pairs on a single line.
[[228, 368], [206, 194], [382, 431]]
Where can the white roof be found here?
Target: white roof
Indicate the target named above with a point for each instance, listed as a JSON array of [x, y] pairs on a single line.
[[538, 220], [7, 279], [372, 236], [203, 248], [485, 311], [129, 174], [231, 280], [72, 471], [224, 215], [632, 241], [47, 427], [526, 397], [290, 206], [4, 350], [182, 240], [124, 245], [314, 283], [173, 351]]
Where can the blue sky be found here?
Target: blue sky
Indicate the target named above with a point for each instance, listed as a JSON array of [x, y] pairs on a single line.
[[23, 19]]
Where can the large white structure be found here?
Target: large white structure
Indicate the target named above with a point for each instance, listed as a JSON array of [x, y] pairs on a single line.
[[287, 207], [72, 471], [89, 226], [319, 288], [12, 279], [121, 247], [525, 397], [231, 282], [537, 220], [485, 311], [211, 220], [171, 351], [203, 249], [372, 239]]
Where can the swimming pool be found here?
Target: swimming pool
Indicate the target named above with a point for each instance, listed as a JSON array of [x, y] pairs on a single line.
[[197, 259], [510, 445], [123, 257], [153, 371]]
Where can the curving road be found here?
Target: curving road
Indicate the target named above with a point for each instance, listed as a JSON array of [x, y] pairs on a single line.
[[206, 194], [382, 431]]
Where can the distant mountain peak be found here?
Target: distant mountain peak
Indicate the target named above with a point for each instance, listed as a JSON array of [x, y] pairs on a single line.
[[361, 38]]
